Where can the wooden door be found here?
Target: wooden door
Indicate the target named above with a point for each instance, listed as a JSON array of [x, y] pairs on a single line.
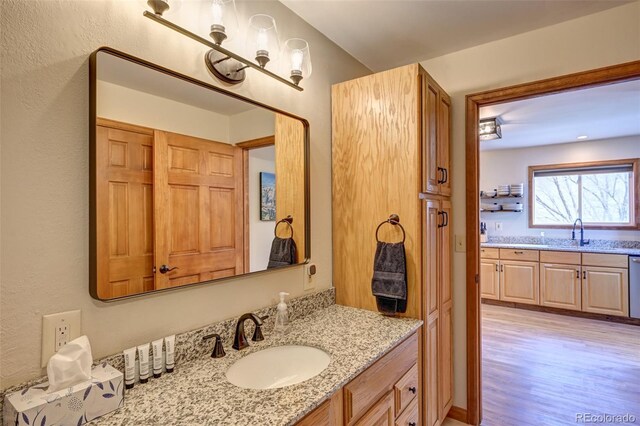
[[444, 143], [381, 414], [519, 281], [445, 308], [124, 210], [429, 134], [605, 290], [290, 184], [490, 278], [560, 286], [198, 208]]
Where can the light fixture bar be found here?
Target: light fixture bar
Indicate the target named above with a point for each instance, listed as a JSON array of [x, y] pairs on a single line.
[[218, 48]]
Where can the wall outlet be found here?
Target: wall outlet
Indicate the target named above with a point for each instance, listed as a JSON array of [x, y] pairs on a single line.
[[461, 244], [58, 330], [498, 226]]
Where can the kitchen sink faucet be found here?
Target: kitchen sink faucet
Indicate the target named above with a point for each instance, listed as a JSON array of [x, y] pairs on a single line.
[[573, 233]]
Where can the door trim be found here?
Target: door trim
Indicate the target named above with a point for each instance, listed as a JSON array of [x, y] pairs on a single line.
[[581, 80]]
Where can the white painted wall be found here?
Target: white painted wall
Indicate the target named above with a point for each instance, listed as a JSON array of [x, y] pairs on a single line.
[[260, 232], [135, 107], [252, 124], [511, 166], [598, 40], [44, 172]]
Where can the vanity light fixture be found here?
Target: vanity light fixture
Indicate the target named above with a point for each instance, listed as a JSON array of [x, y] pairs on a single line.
[[262, 42], [490, 129]]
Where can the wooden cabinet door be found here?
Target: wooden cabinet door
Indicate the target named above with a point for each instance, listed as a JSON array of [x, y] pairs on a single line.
[[429, 120], [605, 290], [124, 211], [431, 255], [445, 333], [490, 278], [198, 209], [560, 286], [381, 414], [445, 349], [519, 281], [432, 371], [444, 250], [444, 143]]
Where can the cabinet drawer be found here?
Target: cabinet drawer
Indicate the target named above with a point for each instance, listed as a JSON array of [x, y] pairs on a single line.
[[379, 379], [563, 257], [489, 253], [515, 254], [329, 413], [406, 389], [410, 416], [606, 260]]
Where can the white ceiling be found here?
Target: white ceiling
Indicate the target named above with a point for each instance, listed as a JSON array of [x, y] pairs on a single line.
[[384, 34], [602, 112], [119, 71]]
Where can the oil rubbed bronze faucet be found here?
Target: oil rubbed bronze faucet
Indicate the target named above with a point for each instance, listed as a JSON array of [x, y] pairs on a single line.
[[240, 340], [583, 242]]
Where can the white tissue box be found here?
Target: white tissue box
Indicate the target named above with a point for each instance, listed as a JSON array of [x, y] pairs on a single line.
[[73, 406]]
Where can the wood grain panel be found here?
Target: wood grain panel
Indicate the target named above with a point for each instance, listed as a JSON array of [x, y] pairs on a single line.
[[431, 258], [406, 389], [123, 224], [564, 257], [444, 249], [329, 413], [560, 286], [444, 141], [410, 416], [222, 217], [517, 254], [489, 253], [289, 152], [432, 371], [380, 414], [376, 172], [183, 160], [606, 260], [490, 278], [605, 290], [183, 212], [445, 378], [430, 135], [362, 392]]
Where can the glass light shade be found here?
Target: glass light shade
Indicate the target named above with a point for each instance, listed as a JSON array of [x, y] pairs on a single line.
[[224, 20], [262, 39], [489, 129], [298, 59], [161, 7]]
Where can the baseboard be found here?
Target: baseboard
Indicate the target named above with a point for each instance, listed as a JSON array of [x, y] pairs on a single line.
[[559, 311], [459, 414]]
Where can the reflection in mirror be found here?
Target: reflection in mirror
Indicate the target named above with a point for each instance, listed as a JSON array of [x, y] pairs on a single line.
[[189, 182]]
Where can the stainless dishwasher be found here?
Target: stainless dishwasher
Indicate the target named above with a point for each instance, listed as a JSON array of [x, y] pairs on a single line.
[[634, 286]]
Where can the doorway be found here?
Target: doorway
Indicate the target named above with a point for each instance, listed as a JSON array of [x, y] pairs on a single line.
[[474, 102]]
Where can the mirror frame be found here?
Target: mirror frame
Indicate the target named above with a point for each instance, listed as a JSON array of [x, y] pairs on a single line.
[[93, 243]]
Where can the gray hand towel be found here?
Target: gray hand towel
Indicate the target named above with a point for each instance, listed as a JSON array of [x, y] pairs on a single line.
[[389, 283], [283, 252]]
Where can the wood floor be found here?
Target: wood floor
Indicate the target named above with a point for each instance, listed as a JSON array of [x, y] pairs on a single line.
[[545, 369]]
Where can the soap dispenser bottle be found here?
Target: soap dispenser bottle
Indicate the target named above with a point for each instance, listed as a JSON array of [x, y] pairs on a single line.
[[282, 316]]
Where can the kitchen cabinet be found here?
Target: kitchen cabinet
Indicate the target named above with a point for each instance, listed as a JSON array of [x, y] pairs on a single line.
[[490, 278], [381, 414], [436, 134], [561, 286], [605, 290], [519, 281]]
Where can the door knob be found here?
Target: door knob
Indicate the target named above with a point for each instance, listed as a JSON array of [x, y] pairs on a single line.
[[165, 268]]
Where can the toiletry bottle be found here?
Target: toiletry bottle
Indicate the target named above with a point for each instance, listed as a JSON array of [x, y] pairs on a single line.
[[282, 316]]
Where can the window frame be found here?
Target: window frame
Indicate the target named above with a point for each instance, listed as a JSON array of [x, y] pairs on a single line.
[[634, 209]]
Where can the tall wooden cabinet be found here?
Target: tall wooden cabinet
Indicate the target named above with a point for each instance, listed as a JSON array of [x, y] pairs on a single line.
[[391, 154]]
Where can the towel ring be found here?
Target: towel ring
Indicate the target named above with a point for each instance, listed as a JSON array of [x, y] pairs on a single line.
[[394, 219], [288, 220]]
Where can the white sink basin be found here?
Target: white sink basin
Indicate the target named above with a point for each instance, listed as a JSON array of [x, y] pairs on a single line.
[[278, 367]]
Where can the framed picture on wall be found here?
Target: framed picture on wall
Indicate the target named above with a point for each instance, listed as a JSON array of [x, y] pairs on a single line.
[[267, 196]]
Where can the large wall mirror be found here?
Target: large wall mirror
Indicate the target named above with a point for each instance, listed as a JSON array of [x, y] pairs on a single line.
[[189, 183]]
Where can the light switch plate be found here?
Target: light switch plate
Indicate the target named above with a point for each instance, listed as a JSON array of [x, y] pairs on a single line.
[[461, 244], [57, 330], [498, 226], [307, 283]]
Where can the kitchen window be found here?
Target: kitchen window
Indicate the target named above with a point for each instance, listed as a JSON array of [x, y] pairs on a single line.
[[603, 194]]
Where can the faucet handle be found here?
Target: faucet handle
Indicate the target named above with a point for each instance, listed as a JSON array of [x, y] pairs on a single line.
[[257, 334], [218, 349]]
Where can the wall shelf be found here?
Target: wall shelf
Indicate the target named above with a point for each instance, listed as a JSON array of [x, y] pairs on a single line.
[[496, 197], [500, 211]]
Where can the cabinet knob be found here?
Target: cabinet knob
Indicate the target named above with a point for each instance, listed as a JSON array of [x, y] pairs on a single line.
[[413, 390]]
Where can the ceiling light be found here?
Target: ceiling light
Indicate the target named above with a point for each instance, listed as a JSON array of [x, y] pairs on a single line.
[[490, 129], [582, 137]]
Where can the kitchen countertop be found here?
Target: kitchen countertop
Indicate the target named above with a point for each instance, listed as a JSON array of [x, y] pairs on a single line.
[[199, 393], [583, 249]]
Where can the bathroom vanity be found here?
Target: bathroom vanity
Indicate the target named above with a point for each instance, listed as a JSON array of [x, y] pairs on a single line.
[[372, 378]]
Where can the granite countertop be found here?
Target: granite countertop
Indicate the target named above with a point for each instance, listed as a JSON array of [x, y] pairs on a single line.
[[199, 393], [583, 249]]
